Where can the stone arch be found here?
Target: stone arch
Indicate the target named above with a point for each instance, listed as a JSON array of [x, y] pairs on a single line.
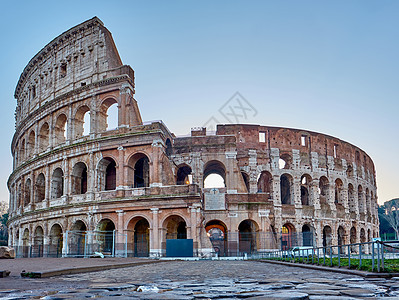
[[217, 170], [27, 191], [31, 143], [40, 188], [286, 190], [306, 180], [363, 237], [60, 129], [245, 177], [288, 238], [25, 242], [105, 237], [139, 170], [22, 150], [38, 239], [285, 161], [247, 242], [307, 235], [323, 189], [77, 238], [183, 174], [81, 121], [265, 182], [43, 137], [79, 225], [368, 201], [55, 240], [360, 198], [339, 196], [353, 239], [79, 179], [57, 183], [216, 230], [106, 171], [341, 235], [175, 226], [327, 236], [103, 114], [349, 171], [139, 236]]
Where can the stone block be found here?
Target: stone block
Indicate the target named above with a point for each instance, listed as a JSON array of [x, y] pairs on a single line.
[[6, 252]]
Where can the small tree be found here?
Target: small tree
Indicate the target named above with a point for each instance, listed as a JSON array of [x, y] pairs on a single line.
[[3, 223], [391, 214]]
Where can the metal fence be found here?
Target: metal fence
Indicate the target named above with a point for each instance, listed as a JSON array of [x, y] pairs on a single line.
[[95, 243], [378, 252]]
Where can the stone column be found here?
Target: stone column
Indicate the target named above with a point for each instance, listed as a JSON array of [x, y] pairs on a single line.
[[48, 186], [120, 238], [120, 175], [231, 183], [155, 179], [296, 186], [91, 178], [155, 243], [46, 239]]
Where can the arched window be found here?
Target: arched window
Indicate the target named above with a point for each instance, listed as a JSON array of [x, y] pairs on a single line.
[[214, 175], [323, 189], [265, 182], [169, 148], [285, 161], [44, 137], [57, 184], [108, 115], [79, 179], [82, 122], [183, 175], [285, 189], [360, 198], [40, 188], [339, 191], [176, 228], [28, 185], [31, 143], [141, 172], [305, 187], [247, 237], [327, 236], [287, 236], [107, 174], [60, 129]]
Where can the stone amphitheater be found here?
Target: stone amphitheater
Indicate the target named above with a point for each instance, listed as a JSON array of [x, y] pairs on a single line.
[[80, 186]]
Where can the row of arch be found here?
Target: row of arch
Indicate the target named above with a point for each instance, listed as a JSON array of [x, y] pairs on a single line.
[[106, 172], [48, 134]]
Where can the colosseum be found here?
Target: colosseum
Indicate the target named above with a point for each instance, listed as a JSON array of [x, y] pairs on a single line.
[[81, 186]]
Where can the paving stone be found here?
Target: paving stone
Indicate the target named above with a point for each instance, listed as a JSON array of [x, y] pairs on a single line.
[[331, 298], [318, 286], [286, 295], [358, 293], [322, 292], [7, 291]]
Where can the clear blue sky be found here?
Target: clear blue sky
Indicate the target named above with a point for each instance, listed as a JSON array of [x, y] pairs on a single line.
[[326, 66]]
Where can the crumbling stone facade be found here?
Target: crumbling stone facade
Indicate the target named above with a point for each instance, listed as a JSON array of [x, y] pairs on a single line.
[[71, 173]]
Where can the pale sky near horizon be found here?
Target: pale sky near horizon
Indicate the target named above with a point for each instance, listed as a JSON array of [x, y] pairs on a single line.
[[325, 66]]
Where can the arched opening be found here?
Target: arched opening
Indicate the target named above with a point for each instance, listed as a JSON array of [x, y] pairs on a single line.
[[44, 135], [360, 199], [362, 235], [247, 237], [285, 189], [107, 174], [77, 239], [351, 198], [57, 184], [169, 147], [339, 191], [176, 227], [25, 243], [28, 185], [217, 232], [142, 173], [22, 150], [183, 175], [305, 187], [307, 235], [141, 238], [245, 177], [288, 236], [214, 175], [327, 236], [40, 188], [349, 171], [55, 242], [82, 121], [323, 189], [37, 249], [353, 235], [31, 143], [368, 201], [341, 236], [285, 161], [108, 115], [265, 183], [60, 132], [79, 179], [106, 236]]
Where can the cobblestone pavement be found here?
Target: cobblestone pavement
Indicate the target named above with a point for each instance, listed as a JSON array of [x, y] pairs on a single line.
[[202, 280]]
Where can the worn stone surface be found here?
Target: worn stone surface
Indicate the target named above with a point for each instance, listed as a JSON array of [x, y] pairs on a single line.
[[7, 252]]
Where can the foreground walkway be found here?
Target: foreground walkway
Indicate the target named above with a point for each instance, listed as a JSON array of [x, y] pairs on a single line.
[[199, 280]]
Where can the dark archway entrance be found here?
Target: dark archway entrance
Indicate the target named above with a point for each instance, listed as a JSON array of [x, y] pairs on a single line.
[[247, 237], [106, 236], [307, 235], [141, 238], [217, 233]]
